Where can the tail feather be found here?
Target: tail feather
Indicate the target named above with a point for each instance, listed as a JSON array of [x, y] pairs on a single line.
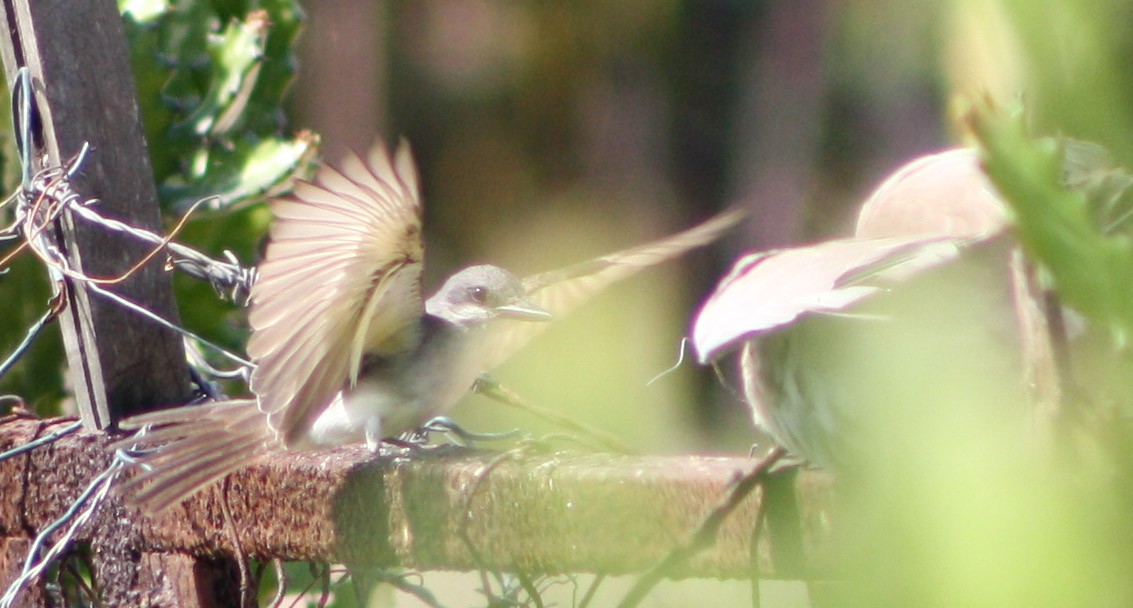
[[163, 487], [167, 434], [231, 410], [197, 446]]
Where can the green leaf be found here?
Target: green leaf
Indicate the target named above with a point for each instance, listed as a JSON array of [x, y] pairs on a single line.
[[235, 56], [246, 170], [212, 97], [1091, 263]]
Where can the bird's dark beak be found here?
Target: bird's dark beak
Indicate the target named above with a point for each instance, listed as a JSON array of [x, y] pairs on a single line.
[[524, 310]]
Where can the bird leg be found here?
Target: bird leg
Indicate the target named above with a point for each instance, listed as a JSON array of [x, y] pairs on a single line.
[[373, 433]]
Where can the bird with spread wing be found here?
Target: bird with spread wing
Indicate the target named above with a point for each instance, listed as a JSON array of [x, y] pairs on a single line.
[[345, 348]]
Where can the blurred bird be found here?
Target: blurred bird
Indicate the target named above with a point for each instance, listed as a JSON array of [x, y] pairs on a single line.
[[345, 350], [894, 337], [932, 307]]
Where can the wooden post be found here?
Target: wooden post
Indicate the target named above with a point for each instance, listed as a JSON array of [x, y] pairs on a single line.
[[120, 363], [84, 91]]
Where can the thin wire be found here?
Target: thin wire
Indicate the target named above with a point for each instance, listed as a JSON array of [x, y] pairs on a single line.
[[161, 244], [98, 489], [221, 274], [164, 323], [56, 261], [29, 337], [46, 439]]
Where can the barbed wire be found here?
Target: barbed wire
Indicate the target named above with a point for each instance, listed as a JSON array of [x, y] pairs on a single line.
[[44, 196], [95, 493], [39, 202]]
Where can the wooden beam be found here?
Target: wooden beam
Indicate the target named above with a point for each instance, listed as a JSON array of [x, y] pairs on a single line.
[[449, 510], [83, 89]]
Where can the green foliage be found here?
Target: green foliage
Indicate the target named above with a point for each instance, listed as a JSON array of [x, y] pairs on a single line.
[[211, 79], [1019, 529], [1075, 58], [1075, 64], [1091, 262]]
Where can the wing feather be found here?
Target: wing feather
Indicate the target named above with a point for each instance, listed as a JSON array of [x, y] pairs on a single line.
[[341, 276], [561, 291]]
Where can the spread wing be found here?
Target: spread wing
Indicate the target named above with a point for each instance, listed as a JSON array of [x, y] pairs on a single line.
[[341, 277], [561, 291], [922, 216], [768, 290]]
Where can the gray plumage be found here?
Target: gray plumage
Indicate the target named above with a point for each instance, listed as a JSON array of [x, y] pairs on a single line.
[[345, 349]]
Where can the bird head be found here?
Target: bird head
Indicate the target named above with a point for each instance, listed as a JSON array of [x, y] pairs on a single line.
[[479, 294]]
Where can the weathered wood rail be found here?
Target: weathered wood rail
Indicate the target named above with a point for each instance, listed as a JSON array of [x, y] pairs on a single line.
[[452, 509]]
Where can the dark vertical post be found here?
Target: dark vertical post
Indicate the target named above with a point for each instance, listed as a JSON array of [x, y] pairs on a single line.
[[121, 363], [84, 89]]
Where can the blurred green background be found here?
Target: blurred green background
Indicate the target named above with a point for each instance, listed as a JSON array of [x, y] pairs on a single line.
[[548, 132]]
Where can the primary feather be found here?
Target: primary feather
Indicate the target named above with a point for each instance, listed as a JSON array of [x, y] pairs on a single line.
[[561, 291], [341, 278]]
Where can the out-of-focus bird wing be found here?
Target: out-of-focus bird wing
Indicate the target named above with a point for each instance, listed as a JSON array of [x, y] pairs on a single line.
[[919, 218], [768, 290], [939, 194], [341, 277], [561, 291]]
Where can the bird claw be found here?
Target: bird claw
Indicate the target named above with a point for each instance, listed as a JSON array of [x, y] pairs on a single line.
[[484, 385], [454, 432]]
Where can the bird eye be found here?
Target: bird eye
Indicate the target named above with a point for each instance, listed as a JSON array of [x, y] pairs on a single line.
[[479, 294]]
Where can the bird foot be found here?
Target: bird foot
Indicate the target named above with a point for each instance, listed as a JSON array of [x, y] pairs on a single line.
[[452, 431]]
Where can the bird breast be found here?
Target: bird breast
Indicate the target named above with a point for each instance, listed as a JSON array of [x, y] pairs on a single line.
[[400, 393]]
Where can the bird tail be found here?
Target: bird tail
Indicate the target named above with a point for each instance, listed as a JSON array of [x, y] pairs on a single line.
[[193, 446]]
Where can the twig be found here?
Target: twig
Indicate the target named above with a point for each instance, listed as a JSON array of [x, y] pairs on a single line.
[[591, 590], [481, 475], [324, 578], [756, 533], [247, 594], [705, 533], [320, 573], [400, 582], [315, 577], [280, 582], [502, 394], [527, 585]]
